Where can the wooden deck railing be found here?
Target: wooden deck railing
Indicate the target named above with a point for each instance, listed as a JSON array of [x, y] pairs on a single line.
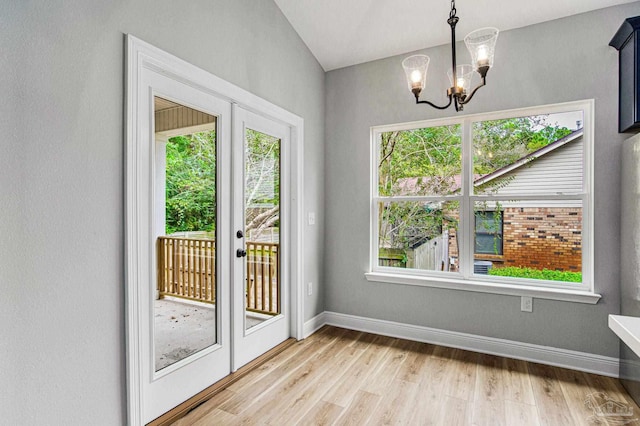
[[263, 276], [186, 269]]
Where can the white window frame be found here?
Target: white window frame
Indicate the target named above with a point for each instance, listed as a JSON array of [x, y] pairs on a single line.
[[464, 279]]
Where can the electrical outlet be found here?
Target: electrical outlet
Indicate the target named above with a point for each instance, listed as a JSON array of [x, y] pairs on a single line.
[[312, 218], [310, 288], [526, 304]]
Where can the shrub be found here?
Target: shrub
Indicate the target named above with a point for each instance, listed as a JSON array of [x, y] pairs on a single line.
[[537, 274]]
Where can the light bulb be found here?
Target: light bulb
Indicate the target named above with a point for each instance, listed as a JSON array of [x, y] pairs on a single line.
[[482, 53], [460, 83], [416, 79], [483, 56]]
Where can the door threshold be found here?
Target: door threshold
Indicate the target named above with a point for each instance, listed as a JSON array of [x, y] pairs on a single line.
[[183, 409]]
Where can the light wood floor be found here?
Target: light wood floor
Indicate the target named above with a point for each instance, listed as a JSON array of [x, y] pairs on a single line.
[[345, 377]]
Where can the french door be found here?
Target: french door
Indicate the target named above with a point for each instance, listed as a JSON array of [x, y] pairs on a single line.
[[209, 235], [185, 308], [261, 220]]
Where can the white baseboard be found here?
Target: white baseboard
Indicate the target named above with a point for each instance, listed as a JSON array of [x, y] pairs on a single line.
[[313, 325], [581, 361]]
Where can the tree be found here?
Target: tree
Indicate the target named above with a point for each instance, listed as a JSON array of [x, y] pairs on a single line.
[[262, 181], [191, 183], [498, 143], [416, 162], [432, 154]]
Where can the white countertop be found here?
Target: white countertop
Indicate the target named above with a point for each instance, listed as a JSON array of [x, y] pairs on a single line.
[[627, 329]]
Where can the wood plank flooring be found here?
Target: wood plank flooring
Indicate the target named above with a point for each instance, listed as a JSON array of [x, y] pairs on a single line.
[[345, 377]]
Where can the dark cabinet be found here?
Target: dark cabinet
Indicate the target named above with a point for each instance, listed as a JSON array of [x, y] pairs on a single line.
[[627, 42]]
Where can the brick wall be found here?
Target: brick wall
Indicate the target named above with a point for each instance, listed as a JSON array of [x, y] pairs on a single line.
[[549, 237], [536, 237]]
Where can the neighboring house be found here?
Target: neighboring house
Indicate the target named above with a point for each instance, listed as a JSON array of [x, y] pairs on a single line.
[[539, 235]]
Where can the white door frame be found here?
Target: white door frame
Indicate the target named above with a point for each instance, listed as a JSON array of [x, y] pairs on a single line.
[[139, 56]]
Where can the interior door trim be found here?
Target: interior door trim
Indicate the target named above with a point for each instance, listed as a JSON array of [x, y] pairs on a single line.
[[138, 56]]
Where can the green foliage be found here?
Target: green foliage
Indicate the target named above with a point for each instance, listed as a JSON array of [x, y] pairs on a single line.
[[546, 136], [191, 183], [433, 152], [537, 274], [498, 143]]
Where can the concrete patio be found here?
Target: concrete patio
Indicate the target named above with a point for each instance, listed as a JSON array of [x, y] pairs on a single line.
[[183, 328]]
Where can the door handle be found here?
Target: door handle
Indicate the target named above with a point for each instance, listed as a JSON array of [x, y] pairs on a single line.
[[241, 253]]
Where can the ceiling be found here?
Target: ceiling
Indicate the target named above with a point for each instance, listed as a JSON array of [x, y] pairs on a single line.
[[347, 32], [161, 104]]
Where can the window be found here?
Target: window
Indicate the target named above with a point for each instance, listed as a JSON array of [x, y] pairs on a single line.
[[494, 199], [419, 178], [488, 232]]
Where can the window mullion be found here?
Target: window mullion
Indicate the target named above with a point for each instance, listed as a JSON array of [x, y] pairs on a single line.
[[374, 191], [466, 209]]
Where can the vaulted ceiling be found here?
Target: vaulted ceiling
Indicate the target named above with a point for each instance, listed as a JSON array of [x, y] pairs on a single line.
[[347, 32]]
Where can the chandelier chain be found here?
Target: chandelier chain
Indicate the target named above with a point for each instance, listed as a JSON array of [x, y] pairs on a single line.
[[453, 9]]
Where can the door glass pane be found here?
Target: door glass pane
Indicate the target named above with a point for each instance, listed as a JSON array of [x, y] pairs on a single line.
[[262, 226], [185, 232]]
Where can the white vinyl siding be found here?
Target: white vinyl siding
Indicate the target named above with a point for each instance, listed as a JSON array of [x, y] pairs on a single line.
[[558, 172]]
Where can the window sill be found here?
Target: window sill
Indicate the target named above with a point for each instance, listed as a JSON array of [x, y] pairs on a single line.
[[487, 256], [566, 295]]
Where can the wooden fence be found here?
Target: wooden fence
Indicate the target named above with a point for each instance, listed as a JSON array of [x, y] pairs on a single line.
[[395, 258], [433, 255], [186, 269]]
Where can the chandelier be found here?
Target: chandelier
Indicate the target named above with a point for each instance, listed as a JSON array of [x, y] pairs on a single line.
[[481, 44]]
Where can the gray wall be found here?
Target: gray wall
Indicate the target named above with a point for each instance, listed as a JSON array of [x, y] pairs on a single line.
[[563, 60], [62, 344]]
